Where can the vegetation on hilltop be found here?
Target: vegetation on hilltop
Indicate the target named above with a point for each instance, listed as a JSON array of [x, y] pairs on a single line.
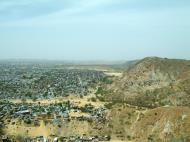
[[152, 82]]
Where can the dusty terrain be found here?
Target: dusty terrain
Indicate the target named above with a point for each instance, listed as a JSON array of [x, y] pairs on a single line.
[[147, 101]]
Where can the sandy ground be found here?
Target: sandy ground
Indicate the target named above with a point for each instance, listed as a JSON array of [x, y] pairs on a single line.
[[72, 98], [67, 129], [117, 74], [25, 130], [78, 114]]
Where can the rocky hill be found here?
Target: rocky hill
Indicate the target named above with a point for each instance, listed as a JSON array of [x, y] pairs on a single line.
[[153, 82], [162, 124]]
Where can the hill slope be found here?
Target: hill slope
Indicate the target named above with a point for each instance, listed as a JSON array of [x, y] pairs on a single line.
[[153, 82], [162, 124]]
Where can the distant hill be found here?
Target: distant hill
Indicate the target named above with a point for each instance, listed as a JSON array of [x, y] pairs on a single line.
[[153, 81]]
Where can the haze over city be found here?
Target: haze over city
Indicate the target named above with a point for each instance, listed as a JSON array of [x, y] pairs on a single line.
[[94, 71], [94, 30]]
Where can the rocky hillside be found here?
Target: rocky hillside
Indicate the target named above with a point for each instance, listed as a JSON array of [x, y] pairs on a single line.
[[162, 124], [153, 82]]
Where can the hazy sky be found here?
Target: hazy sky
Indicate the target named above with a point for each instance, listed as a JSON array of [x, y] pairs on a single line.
[[94, 29]]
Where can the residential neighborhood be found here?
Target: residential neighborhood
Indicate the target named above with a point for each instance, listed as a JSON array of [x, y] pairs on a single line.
[[36, 95]]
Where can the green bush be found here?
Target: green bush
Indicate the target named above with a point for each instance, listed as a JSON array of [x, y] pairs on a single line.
[[93, 99], [108, 105]]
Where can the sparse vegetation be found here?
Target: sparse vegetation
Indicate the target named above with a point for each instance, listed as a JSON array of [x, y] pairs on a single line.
[[147, 103], [108, 105]]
